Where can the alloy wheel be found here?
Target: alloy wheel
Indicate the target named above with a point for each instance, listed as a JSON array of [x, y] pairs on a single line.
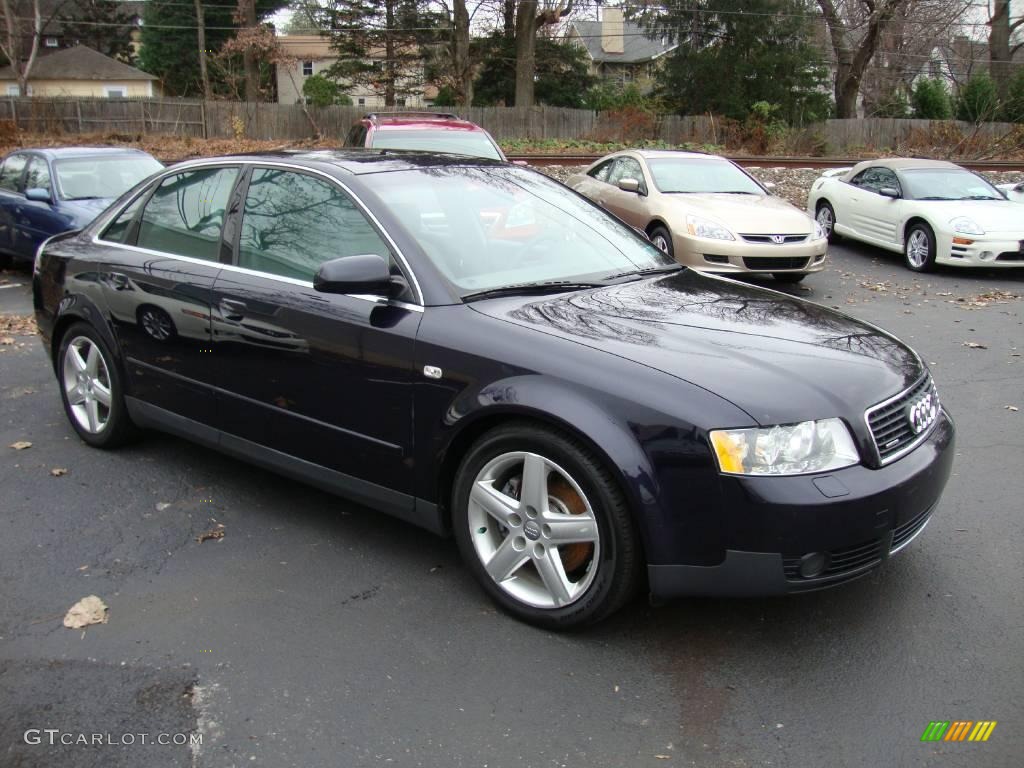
[[86, 380], [824, 219], [533, 530], [157, 324], [660, 243], [918, 248]]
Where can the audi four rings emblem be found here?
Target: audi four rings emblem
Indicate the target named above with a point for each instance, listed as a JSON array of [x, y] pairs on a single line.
[[922, 412]]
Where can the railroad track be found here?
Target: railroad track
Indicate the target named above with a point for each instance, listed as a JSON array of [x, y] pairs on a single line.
[[772, 162]]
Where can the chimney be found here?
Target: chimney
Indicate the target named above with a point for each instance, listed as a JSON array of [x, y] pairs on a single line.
[[611, 31]]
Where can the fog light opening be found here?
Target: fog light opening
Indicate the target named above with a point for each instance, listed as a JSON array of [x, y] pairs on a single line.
[[986, 256], [813, 564]]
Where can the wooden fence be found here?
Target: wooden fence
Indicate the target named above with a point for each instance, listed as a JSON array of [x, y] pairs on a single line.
[[285, 122]]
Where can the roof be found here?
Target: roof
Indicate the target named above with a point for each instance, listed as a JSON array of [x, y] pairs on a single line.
[[425, 120], [636, 45], [79, 63], [898, 164], [57, 153], [360, 161], [653, 154]]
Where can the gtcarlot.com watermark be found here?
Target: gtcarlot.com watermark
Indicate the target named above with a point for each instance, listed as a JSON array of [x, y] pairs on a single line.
[[55, 736]]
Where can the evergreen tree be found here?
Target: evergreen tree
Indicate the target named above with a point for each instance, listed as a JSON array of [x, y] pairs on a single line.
[[1013, 109], [978, 101], [562, 79], [931, 100], [733, 53], [109, 29]]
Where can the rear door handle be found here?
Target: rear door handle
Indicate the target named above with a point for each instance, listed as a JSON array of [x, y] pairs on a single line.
[[232, 309]]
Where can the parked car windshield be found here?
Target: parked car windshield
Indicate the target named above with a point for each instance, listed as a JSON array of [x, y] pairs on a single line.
[[686, 175], [472, 143], [487, 228], [947, 184], [86, 178]]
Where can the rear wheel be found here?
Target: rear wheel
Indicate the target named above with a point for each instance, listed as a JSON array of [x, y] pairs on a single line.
[[544, 527], [91, 388], [826, 218], [919, 248], [662, 240]]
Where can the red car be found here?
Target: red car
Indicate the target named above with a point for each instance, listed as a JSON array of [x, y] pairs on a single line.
[[425, 131]]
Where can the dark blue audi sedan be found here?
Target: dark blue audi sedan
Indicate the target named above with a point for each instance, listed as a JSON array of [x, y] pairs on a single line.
[[44, 192], [483, 352]]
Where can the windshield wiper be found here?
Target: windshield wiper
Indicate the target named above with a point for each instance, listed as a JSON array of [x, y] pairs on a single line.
[[981, 197], [86, 197], [644, 272], [550, 286], [935, 197], [737, 192]]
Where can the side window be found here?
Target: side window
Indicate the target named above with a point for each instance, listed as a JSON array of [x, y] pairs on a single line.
[[38, 176], [120, 229], [887, 178], [616, 172], [185, 214], [867, 179], [601, 172], [294, 222], [356, 136], [10, 176], [629, 168]]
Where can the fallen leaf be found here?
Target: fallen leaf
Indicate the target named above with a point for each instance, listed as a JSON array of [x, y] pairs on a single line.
[[1011, 408], [663, 757], [21, 445], [7, 341], [216, 533], [88, 610], [58, 471], [162, 505], [974, 345]]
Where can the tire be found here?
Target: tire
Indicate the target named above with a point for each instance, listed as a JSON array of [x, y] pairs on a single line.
[[595, 572], [789, 277], [156, 323], [661, 239], [84, 359], [825, 213], [919, 248]]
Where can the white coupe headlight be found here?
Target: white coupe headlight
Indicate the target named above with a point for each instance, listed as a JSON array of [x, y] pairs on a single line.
[[699, 227], [966, 225], [794, 449]]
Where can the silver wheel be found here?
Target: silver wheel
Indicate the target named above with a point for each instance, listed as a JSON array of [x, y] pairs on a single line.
[[157, 323], [918, 248], [86, 380], [534, 530], [660, 243], [824, 219]]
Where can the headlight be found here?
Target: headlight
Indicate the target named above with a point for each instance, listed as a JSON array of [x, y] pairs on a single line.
[[795, 449], [699, 227], [819, 233], [966, 225]]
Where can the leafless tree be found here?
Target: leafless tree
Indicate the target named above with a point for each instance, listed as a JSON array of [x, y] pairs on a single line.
[[1001, 48], [201, 35], [14, 39], [531, 17]]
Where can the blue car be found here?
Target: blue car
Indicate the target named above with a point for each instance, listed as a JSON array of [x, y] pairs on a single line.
[[44, 192]]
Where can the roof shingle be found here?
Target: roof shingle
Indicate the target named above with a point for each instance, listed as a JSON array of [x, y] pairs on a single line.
[[79, 63]]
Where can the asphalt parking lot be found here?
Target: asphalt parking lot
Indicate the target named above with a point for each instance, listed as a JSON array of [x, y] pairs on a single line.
[[318, 633]]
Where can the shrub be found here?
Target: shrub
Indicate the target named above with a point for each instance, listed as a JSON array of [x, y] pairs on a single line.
[[931, 100], [321, 92], [1013, 109], [978, 100]]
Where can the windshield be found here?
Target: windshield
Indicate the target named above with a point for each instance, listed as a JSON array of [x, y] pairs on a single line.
[[472, 143], [676, 174], [85, 178], [487, 228], [947, 184]]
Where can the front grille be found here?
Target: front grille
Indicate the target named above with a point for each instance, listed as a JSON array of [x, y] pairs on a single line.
[[902, 535], [841, 562], [889, 421], [1010, 256], [772, 263], [767, 239]]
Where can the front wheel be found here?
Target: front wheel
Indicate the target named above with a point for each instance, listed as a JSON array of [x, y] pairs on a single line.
[[919, 248], [825, 215], [544, 527], [661, 239], [91, 388]]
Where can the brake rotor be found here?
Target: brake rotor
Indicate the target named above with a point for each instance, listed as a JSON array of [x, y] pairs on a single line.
[[574, 556]]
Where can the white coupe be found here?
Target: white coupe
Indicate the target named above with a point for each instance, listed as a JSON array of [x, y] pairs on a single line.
[[931, 211]]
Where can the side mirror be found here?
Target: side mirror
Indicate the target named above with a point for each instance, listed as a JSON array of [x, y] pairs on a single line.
[[890, 192], [629, 185], [365, 273], [38, 194]]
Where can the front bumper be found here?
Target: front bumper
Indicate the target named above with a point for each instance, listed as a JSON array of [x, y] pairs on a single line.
[[741, 256], [799, 534], [995, 250]]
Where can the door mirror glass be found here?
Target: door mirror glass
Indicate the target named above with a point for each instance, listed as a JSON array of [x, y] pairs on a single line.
[[629, 185], [889, 192], [365, 273], [38, 194]]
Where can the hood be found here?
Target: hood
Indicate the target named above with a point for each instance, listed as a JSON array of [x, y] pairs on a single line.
[[993, 216], [84, 211], [779, 358], [746, 214]]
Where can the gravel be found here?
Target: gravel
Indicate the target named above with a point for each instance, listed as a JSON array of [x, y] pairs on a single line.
[[792, 184]]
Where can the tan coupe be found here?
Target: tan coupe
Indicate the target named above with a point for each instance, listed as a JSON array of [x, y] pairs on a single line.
[[706, 212]]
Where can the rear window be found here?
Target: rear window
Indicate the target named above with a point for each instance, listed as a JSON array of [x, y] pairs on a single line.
[[471, 143]]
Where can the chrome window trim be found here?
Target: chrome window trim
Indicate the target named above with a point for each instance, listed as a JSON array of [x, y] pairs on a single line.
[[187, 166], [917, 439]]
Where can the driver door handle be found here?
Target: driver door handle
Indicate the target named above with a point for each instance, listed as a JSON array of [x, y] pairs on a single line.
[[232, 309]]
